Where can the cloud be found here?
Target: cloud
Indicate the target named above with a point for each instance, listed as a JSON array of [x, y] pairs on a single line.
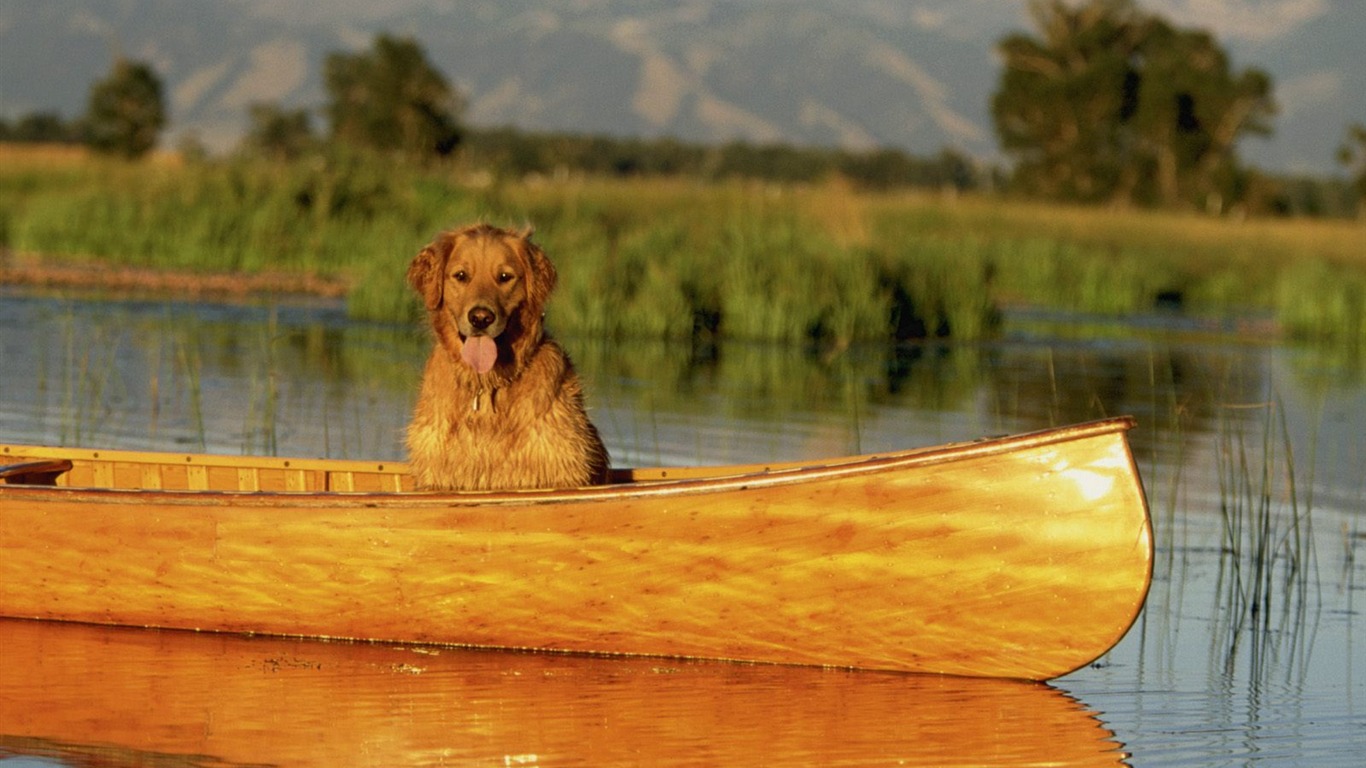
[[1310, 90], [1250, 20], [276, 69], [932, 92], [849, 133], [195, 88], [957, 19], [505, 102], [662, 88], [726, 119], [663, 84]]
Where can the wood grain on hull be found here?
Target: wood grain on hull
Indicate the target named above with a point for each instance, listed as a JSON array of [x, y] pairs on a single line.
[[1022, 557]]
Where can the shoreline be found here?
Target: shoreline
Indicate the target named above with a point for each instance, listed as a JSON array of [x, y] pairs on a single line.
[[29, 271]]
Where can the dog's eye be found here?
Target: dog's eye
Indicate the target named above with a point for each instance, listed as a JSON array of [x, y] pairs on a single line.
[[505, 277], [461, 276]]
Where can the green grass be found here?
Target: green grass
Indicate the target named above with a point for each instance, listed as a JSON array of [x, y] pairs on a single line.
[[672, 258]]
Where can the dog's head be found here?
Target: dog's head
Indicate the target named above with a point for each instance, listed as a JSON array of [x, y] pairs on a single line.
[[488, 285]]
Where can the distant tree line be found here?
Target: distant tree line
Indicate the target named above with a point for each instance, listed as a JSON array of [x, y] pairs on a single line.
[[519, 153], [124, 115], [1104, 104], [42, 128]]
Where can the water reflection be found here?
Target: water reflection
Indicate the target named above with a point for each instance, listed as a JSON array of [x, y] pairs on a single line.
[[225, 379], [302, 380], [90, 695], [1203, 677]]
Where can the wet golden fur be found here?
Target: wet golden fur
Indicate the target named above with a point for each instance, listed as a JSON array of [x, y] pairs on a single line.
[[521, 424]]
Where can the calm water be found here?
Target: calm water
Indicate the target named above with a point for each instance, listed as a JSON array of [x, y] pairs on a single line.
[[1239, 444]]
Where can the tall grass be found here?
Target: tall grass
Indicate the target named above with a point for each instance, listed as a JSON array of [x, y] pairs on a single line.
[[189, 367], [672, 258], [1268, 553], [87, 385]]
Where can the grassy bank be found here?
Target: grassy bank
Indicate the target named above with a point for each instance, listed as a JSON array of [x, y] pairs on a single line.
[[672, 258]]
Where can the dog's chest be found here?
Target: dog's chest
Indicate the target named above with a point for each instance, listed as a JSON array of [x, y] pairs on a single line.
[[501, 414]]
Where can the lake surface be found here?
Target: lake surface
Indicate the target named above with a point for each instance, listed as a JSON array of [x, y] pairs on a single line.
[[1249, 652]]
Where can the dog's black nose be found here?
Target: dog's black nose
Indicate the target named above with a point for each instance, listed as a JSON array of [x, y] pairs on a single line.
[[481, 318]]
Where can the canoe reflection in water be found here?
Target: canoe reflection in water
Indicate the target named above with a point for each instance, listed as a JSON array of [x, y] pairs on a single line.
[[82, 695]]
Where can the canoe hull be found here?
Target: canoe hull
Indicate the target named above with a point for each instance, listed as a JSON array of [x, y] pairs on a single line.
[[1025, 558]]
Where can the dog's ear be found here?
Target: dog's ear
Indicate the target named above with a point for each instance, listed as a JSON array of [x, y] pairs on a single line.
[[541, 275], [426, 272]]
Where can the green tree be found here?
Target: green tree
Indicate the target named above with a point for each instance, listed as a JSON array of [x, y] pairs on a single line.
[[278, 133], [1108, 103], [1063, 96], [1352, 156], [126, 112], [1192, 109], [391, 98]]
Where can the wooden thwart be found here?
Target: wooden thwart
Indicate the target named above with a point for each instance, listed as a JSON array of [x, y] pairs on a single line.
[[41, 472]]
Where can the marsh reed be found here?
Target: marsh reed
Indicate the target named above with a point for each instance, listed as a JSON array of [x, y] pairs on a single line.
[[671, 258], [1268, 567]]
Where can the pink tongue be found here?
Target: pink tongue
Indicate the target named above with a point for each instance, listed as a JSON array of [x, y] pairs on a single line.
[[480, 353]]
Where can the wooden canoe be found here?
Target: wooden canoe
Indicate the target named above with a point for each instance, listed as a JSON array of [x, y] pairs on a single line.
[[1026, 556]]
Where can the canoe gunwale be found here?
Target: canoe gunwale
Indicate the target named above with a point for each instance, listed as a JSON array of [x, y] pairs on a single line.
[[724, 479]]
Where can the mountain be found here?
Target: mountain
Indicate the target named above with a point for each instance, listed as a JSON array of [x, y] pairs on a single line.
[[917, 75]]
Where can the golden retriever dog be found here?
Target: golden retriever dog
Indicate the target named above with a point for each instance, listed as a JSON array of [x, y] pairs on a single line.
[[500, 406]]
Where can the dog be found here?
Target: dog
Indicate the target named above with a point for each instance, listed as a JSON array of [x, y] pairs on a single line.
[[500, 406]]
